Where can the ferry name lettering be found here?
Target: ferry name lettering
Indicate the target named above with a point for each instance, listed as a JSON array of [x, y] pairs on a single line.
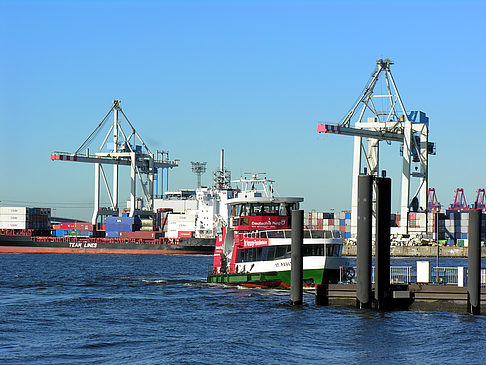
[[282, 264], [282, 222], [75, 244]]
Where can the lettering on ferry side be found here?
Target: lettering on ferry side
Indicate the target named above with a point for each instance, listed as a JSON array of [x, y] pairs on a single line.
[[90, 245], [282, 264], [75, 244]]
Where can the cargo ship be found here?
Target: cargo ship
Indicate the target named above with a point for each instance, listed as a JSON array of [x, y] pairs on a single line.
[[254, 247], [31, 241], [167, 231]]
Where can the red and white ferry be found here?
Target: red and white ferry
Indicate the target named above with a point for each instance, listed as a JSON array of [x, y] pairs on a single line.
[[253, 245]]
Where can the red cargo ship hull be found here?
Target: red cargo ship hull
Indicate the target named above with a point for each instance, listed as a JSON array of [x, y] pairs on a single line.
[[14, 243]]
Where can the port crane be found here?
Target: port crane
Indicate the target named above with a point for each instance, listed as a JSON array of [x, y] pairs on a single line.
[[122, 150], [393, 125]]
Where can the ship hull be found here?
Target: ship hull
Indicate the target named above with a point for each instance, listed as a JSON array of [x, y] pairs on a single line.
[[276, 279], [23, 244]]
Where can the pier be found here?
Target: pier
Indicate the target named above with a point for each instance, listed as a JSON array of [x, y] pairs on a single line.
[[415, 296], [386, 288]]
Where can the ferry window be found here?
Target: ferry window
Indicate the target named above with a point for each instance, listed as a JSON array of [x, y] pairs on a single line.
[[280, 252], [256, 209], [258, 255], [270, 209], [313, 250], [270, 253], [275, 234], [244, 221], [289, 252], [331, 250], [284, 209], [307, 233], [244, 209], [237, 210]]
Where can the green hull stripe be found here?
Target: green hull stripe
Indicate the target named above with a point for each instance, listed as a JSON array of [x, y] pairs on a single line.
[[311, 276]]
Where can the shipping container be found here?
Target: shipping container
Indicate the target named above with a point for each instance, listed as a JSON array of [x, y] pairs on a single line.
[[122, 220], [112, 234], [141, 234], [67, 225], [119, 227], [184, 234]]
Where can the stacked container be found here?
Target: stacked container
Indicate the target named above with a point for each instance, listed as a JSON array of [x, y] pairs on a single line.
[[338, 223], [181, 225], [25, 218], [72, 229], [115, 225]]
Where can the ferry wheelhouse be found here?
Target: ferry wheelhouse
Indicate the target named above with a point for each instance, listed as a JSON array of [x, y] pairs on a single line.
[[254, 245]]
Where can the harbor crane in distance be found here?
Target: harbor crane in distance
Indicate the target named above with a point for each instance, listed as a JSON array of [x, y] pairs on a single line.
[[393, 125], [124, 150]]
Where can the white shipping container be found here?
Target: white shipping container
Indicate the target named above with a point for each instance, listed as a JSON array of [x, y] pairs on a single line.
[[13, 225], [181, 226], [181, 218], [14, 218], [14, 210], [172, 234]]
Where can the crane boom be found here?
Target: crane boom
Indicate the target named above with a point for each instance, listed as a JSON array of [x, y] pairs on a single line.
[[358, 132]]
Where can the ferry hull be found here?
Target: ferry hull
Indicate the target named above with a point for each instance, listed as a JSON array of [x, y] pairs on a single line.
[[190, 246], [276, 279]]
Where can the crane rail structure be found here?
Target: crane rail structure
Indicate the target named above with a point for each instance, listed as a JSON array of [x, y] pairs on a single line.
[[125, 150], [394, 125]]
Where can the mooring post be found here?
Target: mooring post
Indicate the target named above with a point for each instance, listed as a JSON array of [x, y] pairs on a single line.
[[382, 244], [296, 259], [474, 262], [364, 231]]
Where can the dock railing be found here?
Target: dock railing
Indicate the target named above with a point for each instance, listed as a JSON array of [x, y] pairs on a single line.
[[408, 274], [444, 275]]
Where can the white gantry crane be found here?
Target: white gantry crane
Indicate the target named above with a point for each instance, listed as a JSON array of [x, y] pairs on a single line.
[[124, 150], [390, 125]]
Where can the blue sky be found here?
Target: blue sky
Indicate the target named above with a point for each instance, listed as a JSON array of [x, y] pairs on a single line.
[[252, 77]]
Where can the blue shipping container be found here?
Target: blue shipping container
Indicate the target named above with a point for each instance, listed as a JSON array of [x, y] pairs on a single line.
[[347, 234], [110, 234], [342, 222], [86, 234], [119, 227], [347, 215], [121, 220], [60, 232], [464, 236]]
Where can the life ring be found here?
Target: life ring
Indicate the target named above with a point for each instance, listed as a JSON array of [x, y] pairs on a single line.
[[349, 273]]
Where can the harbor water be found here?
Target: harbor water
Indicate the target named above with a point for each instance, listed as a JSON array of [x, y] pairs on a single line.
[[113, 309]]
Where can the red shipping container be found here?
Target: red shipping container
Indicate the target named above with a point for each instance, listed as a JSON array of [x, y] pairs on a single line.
[[184, 234], [412, 216], [147, 235], [342, 228], [67, 225], [320, 221], [331, 222], [83, 226]]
